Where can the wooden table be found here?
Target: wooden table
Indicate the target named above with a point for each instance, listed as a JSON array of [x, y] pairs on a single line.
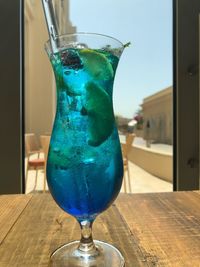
[[159, 229]]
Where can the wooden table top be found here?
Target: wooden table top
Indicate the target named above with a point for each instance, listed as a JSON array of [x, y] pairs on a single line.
[[158, 229]]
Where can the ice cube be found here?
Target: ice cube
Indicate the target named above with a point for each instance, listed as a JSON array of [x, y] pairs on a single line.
[[75, 81]]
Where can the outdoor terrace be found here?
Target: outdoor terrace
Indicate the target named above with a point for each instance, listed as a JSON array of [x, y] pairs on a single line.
[[141, 180]]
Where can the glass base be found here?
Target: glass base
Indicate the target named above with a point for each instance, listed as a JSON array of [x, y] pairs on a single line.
[[103, 255]]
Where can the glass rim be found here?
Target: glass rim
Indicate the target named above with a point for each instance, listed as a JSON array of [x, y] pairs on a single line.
[[85, 33]]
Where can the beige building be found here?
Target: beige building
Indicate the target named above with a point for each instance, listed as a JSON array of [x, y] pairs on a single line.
[[158, 117], [40, 98]]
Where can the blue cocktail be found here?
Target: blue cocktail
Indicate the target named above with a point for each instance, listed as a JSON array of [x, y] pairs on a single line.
[[85, 168]]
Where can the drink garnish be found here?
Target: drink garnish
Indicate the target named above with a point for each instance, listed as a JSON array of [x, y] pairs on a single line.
[[96, 64], [127, 44], [98, 107]]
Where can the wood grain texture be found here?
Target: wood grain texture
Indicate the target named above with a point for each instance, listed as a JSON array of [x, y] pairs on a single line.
[[11, 206], [160, 229], [166, 226], [43, 227]]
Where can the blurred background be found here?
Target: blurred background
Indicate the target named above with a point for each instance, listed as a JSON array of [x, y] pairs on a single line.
[[143, 84]]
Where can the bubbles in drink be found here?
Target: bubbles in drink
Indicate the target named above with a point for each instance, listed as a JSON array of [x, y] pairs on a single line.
[[85, 155]]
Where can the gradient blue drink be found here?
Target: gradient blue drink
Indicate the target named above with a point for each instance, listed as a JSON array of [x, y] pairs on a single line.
[[84, 168]]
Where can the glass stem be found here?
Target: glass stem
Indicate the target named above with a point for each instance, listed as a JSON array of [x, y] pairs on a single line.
[[86, 242]]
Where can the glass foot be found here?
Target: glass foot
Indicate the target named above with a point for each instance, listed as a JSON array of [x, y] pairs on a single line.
[[104, 255]]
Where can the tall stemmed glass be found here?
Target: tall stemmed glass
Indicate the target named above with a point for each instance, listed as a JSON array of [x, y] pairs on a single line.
[[84, 167]]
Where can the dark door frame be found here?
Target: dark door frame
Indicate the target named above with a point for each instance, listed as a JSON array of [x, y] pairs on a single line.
[[11, 97], [186, 93]]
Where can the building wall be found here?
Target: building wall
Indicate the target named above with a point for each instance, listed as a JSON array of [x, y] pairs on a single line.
[[40, 92], [149, 160], [158, 117], [39, 86]]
